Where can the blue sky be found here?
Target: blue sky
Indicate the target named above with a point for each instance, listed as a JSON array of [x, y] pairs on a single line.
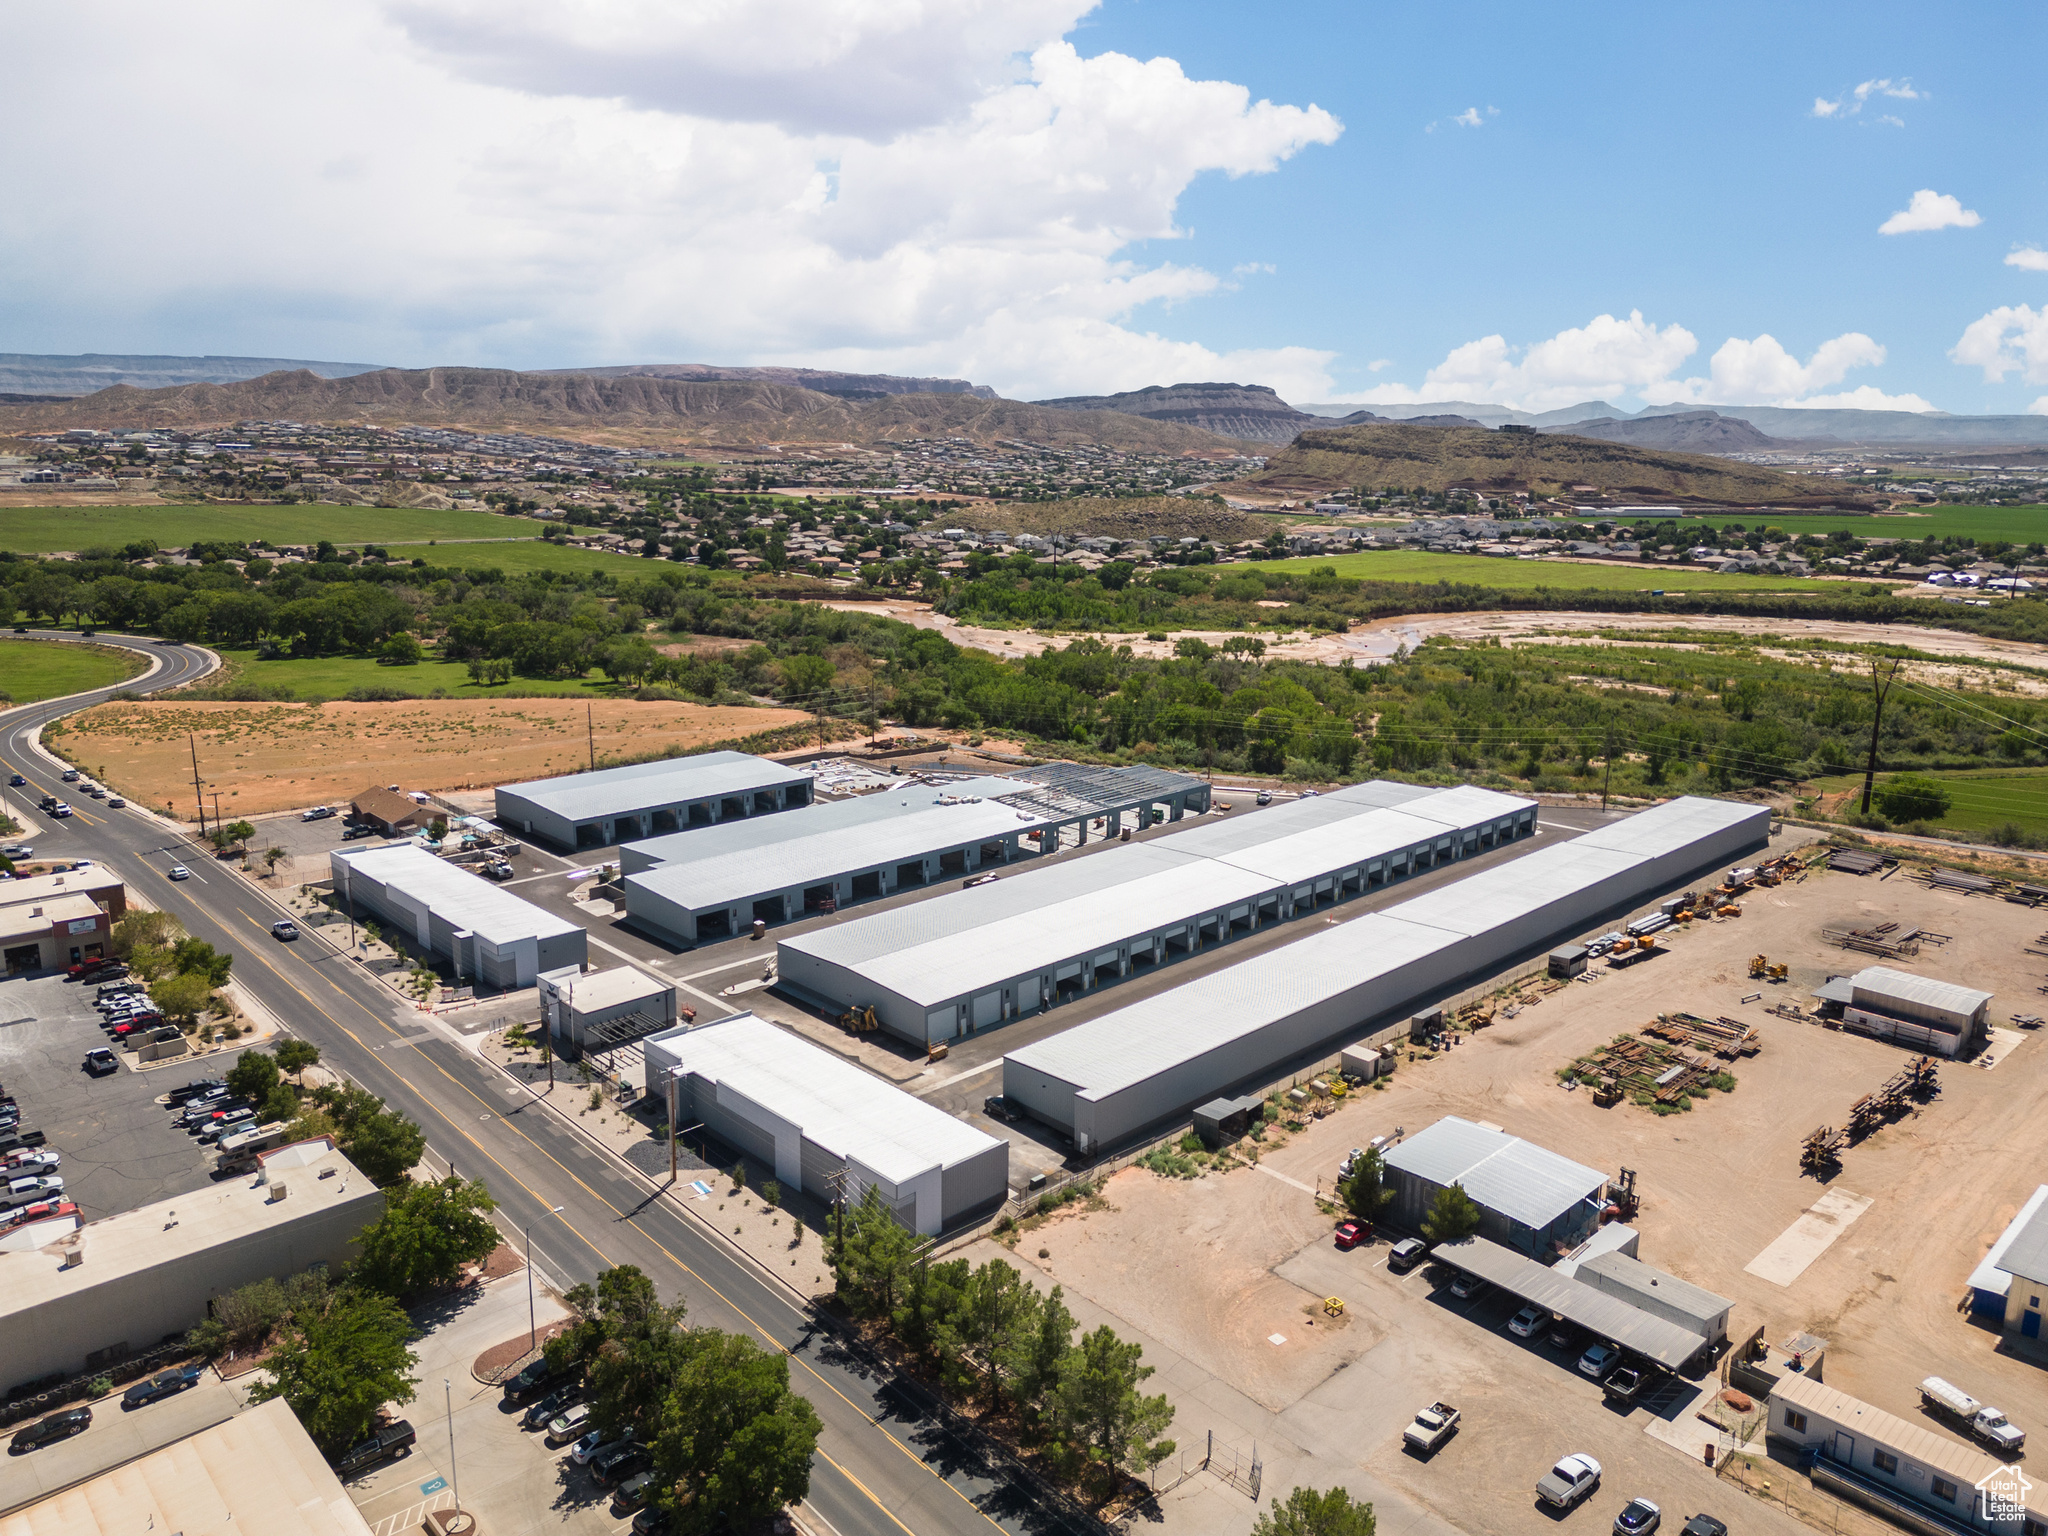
[[1532, 205]]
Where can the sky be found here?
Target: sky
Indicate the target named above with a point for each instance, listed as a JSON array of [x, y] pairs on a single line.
[[1824, 204]]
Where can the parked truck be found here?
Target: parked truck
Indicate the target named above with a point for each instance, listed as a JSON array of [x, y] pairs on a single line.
[[238, 1153], [1972, 1417], [1432, 1427]]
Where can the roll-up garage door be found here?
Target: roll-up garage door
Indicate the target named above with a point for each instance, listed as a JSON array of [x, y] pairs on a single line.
[[942, 1023], [988, 1009]]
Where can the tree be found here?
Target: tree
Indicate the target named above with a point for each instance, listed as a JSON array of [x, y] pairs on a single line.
[[735, 1443], [239, 832], [932, 1293], [1098, 1403], [995, 1312], [272, 857], [632, 1345], [1452, 1216], [425, 1236], [294, 1056], [181, 999], [805, 676], [1035, 1356], [138, 929], [252, 1076], [870, 1254], [1365, 1193], [196, 957], [1306, 1512], [1913, 797], [380, 1141], [401, 650], [341, 1364]]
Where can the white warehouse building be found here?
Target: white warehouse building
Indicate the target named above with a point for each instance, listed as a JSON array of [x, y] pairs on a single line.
[[617, 805], [815, 1119], [978, 958], [1144, 1065], [484, 931]]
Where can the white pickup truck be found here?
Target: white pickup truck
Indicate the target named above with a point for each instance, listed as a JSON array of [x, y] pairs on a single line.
[[1432, 1427], [1988, 1425]]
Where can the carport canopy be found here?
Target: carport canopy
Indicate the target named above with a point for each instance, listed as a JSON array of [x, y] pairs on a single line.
[[1608, 1317]]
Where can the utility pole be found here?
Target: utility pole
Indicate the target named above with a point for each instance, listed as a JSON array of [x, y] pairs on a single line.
[[1879, 690], [1607, 769], [448, 1397], [198, 794], [590, 733]]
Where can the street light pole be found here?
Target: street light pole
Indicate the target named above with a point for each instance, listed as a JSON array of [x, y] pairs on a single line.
[[454, 1478], [532, 1324]]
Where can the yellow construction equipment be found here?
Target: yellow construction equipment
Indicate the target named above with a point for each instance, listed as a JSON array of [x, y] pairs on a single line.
[[1780, 972], [1730, 910], [1758, 965], [1333, 1305]]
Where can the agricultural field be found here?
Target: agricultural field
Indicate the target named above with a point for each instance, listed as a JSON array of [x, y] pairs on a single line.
[[44, 669], [1981, 801], [2013, 525], [516, 557], [313, 678], [1528, 575], [277, 757], [39, 530]]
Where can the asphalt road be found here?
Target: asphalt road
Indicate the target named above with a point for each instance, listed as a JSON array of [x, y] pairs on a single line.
[[884, 1465]]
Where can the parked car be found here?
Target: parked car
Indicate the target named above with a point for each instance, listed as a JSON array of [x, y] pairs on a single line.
[[594, 1444], [34, 1186], [544, 1412], [97, 793], [393, 1439], [1525, 1322], [179, 872], [1562, 1335], [1406, 1254], [1569, 1481], [117, 804], [572, 1423], [1351, 1233], [996, 1107], [1265, 797], [32, 1160], [633, 1492], [50, 1429], [350, 834], [162, 1384], [620, 1463], [1624, 1383], [1638, 1518], [37, 1212], [70, 775], [226, 1125], [205, 1087], [317, 813], [1704, 1525], [1432, 1427], [1466, 1286], [649, 1522], [536, 1379], [1598, 1361], [18, 851], [14, 1137], [285, 929]]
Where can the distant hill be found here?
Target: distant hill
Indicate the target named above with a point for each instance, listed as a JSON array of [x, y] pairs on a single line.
[[1436, 458], [1448, 412], [1689, 431], [1253, 412], [848, 386], [632, 410], [36, 374]]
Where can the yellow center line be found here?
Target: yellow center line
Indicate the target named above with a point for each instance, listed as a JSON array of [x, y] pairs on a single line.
[[660, 1246], [863, 1487]]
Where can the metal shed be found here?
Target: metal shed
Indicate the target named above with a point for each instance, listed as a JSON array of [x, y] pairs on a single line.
[[1603, 1315], [1529, 1197], [616, 805], [1918, 1012], [1656, 1291], [486, 932], [816, 1120]]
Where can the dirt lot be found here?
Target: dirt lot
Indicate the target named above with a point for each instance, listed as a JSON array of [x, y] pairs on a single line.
[[1214, 1268], [273, 757]]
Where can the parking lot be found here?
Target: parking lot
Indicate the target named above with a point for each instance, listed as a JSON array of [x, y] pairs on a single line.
[[120, 1148]]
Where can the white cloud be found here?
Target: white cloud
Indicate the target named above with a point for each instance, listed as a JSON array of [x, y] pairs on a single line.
[[1379, 363], [1865, 397], [1762, 372], [1604, 357], [1930, 210], [1470, 118], [1249, 268], [2012, 337], [913, 185], [2039, 407], [2028, 259], [1849, 103]]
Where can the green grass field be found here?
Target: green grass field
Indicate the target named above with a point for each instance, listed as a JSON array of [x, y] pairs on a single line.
[[1527, 575], [333, 676], [38, 530], [2016, 525], [1981, 798], [527, 554], [48, 669]]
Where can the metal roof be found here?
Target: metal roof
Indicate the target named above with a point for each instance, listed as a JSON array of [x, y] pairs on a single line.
[[1669, 827], [1885, 982], [1128, 1045], [1990, 1274], [753, 834], [467, 902], [2026, 1248], [1513, 890], [849, 1112], [1651, 1283], [647, 786], [606, 989], [1934, 1451], [1608, 1317], [1522, 1181]]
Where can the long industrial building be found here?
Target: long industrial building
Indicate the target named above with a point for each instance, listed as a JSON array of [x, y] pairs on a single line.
[[815, 1119], [710, 884], [977, 958], [1108, 1079], [677, 794], [485, 932]]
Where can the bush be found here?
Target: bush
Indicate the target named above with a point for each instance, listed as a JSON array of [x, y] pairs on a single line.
[[1912, 797], [1722, 1082]]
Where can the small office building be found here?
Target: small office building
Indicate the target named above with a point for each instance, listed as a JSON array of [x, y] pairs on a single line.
[[485, 932], [603, 1010], [391, 813], [1530, 1199], [677, 794], [1918, 1012], [1659, 1293], [51, 921], [1927, 1480], [821, 1124]]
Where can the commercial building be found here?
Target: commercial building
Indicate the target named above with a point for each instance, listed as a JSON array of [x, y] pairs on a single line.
[[1529, 1198], [1143, 1065], [978, 958], [602, 1010], [390, 812], [618, 805], [1917, 1012], [484, 931], [817, 1120], [2010, 1284], [118, 1286], [1602, 1314], [1658, 1292], [1916, 1476], [709, 884], [48, 921], [258, 1469]]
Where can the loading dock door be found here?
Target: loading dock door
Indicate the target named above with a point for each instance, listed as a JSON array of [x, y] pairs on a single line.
[[988, 1009], [942, 1023]]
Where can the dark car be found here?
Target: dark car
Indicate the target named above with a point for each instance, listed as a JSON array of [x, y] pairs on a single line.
[[47, 1431], [996, 1107], [99, 1061], [204, 1088], [620, 1463], [16, 779], [16, 1138], [350, 834], [1704, 1525], [1406, 1254], [653, 1522], [162, 1384], [537, 1379], [538, 1415], [394, 1439]]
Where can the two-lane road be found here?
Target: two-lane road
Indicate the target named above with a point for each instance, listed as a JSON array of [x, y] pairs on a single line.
[[880, 1471]]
